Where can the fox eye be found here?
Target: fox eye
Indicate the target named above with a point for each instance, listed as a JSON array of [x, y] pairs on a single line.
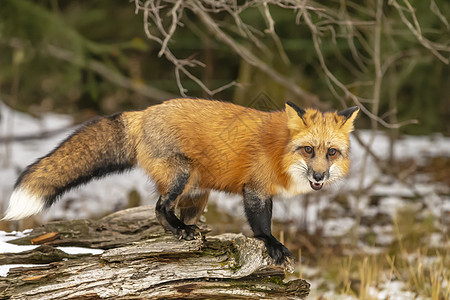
[[308, 149], [332, 151]]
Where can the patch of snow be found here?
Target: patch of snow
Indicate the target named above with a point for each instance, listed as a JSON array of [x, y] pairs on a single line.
[[6, 247], [310, 272], [390, 205], [15, 123], [81, 250], [337, 227], [435, 240], [439, 206], [370, 211], [4, 269], [11, 248], [384, 234], [370, 250], [335, 296], [394, 290]]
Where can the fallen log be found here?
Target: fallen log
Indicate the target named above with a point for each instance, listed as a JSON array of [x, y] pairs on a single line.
[[115, 230], [141, 261]]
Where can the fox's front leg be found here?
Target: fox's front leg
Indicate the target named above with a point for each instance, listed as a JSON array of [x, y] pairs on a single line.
[[165, 210], [258, 210]]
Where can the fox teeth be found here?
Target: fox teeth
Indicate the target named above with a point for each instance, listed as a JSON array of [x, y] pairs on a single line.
[[316, 186]]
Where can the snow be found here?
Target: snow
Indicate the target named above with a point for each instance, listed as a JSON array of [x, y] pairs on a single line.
[[338, 227], [384, 234], [6, 247], [394, 290], [11, 248], [81, 250], [4, 269]]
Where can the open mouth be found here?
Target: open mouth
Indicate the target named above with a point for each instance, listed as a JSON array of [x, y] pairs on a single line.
[[316, 186]]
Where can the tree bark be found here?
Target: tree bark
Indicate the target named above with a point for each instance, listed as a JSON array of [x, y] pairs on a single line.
[[141, 261]]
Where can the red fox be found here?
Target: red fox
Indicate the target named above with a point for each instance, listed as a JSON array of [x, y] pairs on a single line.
[[191, 146]]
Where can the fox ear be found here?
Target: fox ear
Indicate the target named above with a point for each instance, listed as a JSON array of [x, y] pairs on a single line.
[[295, 116], [349, 116]]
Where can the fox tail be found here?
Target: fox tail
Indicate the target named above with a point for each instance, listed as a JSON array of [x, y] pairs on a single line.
[[98, 148]]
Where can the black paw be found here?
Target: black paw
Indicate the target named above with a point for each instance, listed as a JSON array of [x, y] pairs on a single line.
[[278, 252], [188, 233]]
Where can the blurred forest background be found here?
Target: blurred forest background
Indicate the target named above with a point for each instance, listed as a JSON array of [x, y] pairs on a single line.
[[382, 231], [98, 57]]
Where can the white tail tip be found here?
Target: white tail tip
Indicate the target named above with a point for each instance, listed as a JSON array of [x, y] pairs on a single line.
[[23, 204]]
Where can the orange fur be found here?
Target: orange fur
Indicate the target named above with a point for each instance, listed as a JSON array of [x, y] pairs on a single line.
[[230, 145], [220, 146]]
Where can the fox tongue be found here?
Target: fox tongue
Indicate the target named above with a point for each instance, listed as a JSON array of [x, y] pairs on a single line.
[[316, 186]]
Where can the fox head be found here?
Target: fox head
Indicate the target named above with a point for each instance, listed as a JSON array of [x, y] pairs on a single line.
[[318, 151]]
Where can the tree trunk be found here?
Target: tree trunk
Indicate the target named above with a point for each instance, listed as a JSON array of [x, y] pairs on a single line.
[[141, 261]]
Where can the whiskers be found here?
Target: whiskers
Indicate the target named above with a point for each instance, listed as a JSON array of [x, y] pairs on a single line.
[[299, 170], [335, 175], [300, 167], [298, 183]]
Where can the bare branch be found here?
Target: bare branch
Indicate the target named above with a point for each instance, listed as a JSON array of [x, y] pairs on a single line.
[[152, 10], [252, 59], [416, 31], [339, 24], [347, 92], [175, 19], [435, 9], [271, 31]]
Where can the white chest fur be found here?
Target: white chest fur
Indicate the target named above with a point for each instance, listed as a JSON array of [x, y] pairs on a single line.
[[298, 184]]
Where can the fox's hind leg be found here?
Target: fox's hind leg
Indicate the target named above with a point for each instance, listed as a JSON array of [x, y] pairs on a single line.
[[171, 176], [166, 215], [191, 205]]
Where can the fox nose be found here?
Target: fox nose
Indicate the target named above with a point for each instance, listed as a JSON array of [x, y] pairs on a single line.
[[318, 176]]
